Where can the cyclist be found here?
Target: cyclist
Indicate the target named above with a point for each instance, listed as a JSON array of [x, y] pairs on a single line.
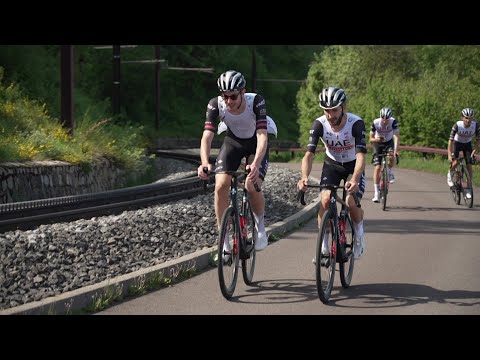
[[384, 134], [245, 115], [343, 135], [461, 140]]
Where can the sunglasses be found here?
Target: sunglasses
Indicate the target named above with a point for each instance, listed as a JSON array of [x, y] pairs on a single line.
[[233, 96]]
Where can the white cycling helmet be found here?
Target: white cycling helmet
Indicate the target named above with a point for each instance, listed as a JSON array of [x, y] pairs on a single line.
[[332, 97], [271, 127], [231, 80], [386, 113], [468, 112]]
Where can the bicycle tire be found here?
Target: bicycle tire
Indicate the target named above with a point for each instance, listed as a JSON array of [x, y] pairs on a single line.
[[346, 267], [385, 180], [324, 264], [465, 181], [228, 230], [458, 191], [248, 265]]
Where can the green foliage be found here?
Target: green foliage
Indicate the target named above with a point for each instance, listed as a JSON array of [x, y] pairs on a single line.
[[426, 86], [183, 94], [27, 132]]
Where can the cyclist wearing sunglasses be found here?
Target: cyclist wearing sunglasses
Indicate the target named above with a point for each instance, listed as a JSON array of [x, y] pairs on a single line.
[[343, 135], [245, 116], [384, 134], [461, 140]]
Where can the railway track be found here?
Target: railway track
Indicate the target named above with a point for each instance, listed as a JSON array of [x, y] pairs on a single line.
[[29, 214]]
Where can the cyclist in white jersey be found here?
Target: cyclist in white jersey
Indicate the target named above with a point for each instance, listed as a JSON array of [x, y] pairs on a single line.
[[343, 135], [461, 140], [384, 134], [245, 116]]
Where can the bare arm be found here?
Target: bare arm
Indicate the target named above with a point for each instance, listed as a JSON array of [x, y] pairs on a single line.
[[262, 141], [359, 168], [450, 150], [307, 162], [374, 139], [205, 147], [396, 141]]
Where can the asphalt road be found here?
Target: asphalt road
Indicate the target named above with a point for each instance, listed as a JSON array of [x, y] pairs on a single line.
[[421, 258]]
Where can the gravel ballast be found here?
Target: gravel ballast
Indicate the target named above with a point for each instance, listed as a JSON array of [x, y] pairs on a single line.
[[56, 258]]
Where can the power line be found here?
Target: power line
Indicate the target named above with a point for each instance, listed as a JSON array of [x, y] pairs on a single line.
[[281, 80]]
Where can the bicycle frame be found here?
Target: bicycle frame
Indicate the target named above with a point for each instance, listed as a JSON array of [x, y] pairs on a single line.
[[237, 224], [240, 241], [341, 251], [461, 178], [386, 154]]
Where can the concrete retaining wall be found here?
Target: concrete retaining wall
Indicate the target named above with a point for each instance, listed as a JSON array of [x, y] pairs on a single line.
[[47, 179]]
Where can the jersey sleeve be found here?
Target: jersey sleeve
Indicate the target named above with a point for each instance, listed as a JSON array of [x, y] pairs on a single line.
[[395, 126], [454, 131], [211, 115], [260, 110], [315, 134], [358, 132]]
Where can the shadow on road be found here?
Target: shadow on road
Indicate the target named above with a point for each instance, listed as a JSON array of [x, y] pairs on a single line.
[[279, 291], [373, 296], [400, 294], [441, 226]]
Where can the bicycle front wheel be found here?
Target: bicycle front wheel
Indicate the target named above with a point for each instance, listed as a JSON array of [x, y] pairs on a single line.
[[347, 241], [386, 181], [457, 189], [325, 262], [465, 187], [248, 264], [228, 254]]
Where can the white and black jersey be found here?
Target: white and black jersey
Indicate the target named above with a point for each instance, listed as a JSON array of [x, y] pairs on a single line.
[[242, 126]]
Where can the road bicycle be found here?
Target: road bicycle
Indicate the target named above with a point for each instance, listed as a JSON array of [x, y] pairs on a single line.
[[238, 229], [385, 175], [461, 179], [341, 239]]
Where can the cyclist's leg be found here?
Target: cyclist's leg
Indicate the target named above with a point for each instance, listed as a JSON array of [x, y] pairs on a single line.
[[228, 159], [356, 213], [376, 161], [456, 154], [467, 152], [257, 199], [330, 175]]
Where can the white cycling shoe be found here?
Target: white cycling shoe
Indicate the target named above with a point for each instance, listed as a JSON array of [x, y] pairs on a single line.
[[359, 247], [262, 241]]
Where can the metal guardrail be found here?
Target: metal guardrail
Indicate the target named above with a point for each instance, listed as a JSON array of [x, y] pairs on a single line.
[[421, 149]]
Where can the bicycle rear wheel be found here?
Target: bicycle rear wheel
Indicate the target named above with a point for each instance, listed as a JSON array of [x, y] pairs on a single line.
[[385, 180], [227, 261], [248, 265], [346, 267], [325, 264], [465, 181]]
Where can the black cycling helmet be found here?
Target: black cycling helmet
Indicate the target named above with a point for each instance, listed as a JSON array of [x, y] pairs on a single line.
[[386, 113], [468, 112], [332, 97], [231, 80]]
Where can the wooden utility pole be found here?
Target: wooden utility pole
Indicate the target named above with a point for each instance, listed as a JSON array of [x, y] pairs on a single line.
[[157, 87], [66, 88], [116, 80], [254, 71]]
